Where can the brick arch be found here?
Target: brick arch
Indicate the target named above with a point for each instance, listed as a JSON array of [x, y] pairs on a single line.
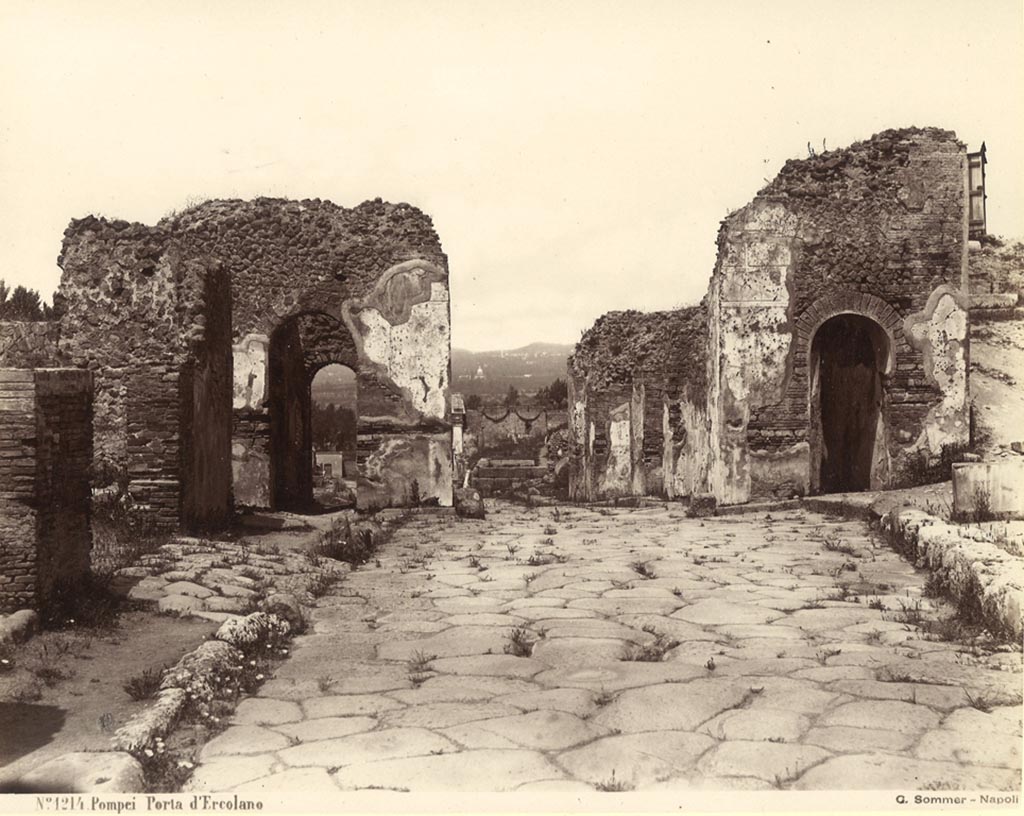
[[846, 301]]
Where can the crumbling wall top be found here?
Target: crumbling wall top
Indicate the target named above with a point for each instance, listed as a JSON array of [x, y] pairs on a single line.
[[625, 345]]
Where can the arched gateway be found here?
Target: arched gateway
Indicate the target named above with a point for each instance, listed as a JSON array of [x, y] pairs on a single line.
[[204, 332]]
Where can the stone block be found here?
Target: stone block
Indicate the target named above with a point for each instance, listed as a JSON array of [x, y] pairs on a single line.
[[86, 772], [999, 484]]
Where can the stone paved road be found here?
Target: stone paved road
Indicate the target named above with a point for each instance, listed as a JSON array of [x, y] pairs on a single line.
[[798, 665]]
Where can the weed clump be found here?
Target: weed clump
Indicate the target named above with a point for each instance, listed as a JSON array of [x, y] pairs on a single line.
[[145, 685], [520, 643], [653, 651]]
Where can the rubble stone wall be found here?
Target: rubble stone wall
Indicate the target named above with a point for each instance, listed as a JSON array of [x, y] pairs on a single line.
[[45, 457], [877, 230], [636, 406], [176, 322]]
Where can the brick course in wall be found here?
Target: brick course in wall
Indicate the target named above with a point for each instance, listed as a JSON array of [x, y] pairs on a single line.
[[45, 459]]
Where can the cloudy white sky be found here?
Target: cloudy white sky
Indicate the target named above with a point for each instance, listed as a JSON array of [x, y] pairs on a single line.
[[576, 157]]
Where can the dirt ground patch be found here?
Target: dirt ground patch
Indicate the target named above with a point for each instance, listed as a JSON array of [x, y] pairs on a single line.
[[64, 692]]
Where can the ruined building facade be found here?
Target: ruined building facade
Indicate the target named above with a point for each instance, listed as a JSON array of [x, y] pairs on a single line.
[[832, 345], [204, 333]]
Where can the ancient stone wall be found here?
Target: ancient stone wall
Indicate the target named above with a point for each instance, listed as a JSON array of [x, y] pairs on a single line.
[[636, 406], [875, 233], [139, 313], [369, 286], [178, 320], [876, 230], [45, 457]]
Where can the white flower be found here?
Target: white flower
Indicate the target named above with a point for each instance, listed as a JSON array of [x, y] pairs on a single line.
[[259, 676], [185, 764], [148, 753]]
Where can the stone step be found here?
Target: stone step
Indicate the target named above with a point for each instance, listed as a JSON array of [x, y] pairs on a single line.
[[506, 463], [532, 472]]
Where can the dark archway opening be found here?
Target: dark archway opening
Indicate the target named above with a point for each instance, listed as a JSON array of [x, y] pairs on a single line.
[[849, 357], [301, 347], [334, 416]]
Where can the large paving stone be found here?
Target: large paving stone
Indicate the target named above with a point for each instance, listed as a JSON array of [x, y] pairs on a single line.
[[781, 667], [310, 782], [609, 607], [455, 689], [544, 730], [506, 620], [969, 747], [348, 705], [944, 698], [188, 588], [618, 675], [496, 665], [883, 714], [388, 743], [577, 651], [671, 627], [180, 604], [243, 739], [788, 694], [574, 701], [880, 771], [715, 612], [442, 715], [588, 628], [1000, 720], [758, 724], [771, 761], [832, 618], [671, 706], [223, 773], [326, 728], [846, 740], [483, 770], [370, 677], [471, 736], [457, 641], [635, 759], [266, 711], [550, 614]]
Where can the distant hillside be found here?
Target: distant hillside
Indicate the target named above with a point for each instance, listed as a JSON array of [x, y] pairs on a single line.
[[529, 368]]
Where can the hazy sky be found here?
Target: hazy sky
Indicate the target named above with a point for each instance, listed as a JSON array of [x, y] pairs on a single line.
[[576, 157]]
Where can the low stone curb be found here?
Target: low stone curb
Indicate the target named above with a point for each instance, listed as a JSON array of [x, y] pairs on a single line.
[[194, 679], [979, 576]]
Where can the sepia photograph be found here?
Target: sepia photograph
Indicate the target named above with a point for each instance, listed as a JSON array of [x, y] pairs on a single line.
[[576, 406]]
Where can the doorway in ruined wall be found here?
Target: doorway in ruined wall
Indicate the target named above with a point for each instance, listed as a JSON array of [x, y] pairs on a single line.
[[334, 401], [300, 347], [848, 365]]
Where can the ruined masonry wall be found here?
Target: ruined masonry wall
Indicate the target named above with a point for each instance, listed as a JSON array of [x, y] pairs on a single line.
[[876, 229], [45, 457], [637, 420], [143, 308]]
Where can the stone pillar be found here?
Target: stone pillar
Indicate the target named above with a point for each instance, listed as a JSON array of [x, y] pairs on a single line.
[[45, 457]]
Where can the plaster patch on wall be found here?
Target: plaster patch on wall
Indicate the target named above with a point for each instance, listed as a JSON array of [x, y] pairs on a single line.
[[250, 371], [616, 479], [413, 354], [755, 344], [939, 331]]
